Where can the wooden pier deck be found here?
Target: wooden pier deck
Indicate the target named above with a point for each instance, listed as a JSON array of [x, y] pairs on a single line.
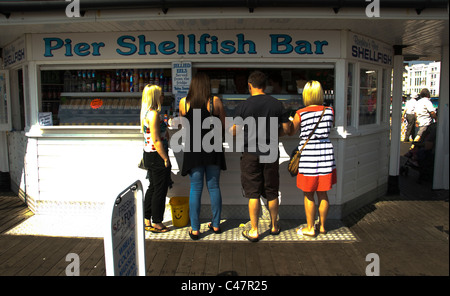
[[409, 232]]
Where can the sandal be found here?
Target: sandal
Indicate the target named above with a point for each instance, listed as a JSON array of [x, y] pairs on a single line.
[[246, 234], [215, 231], [157, 230], [194, 236], [317, 228], [277, 232]]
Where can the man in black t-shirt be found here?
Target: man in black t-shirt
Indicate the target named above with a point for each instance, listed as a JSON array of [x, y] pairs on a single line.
[[264, 121]]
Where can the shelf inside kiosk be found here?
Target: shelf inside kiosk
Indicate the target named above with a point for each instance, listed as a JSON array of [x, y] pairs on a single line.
[[113, 97], [99, 97]]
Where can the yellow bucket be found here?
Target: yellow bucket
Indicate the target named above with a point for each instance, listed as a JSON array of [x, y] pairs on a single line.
[[180, 210]]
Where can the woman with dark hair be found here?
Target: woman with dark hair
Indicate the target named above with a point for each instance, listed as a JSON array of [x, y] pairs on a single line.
[[199, 105]]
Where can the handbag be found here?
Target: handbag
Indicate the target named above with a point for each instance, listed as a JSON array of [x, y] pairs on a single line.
[[141, 164], [295, 157]]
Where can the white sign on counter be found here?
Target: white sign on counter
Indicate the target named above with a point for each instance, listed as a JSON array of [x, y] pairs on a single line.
[[181, 79], [45, 118], [124, 237]]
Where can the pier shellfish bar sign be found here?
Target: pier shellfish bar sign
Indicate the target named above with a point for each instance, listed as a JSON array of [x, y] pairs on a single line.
[[163, 45]]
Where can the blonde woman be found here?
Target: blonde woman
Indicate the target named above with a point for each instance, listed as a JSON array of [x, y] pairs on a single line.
[[156, 158], [317, 168]]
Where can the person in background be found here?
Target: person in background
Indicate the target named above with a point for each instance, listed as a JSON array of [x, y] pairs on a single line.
[[200, 165], [156, 158], [317, 168], [409, 115], [259, 178], [425, 114]]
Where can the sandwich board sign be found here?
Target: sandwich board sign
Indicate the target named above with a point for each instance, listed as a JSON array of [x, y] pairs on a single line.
[[124, 235]]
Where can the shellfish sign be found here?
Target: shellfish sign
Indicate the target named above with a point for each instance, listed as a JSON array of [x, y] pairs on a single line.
[[124, 235]]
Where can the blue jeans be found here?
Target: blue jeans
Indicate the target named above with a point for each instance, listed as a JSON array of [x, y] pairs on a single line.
[[197, 175]]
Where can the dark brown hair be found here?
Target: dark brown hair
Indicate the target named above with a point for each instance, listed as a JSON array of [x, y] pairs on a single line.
[[199, 90], [425, 93], [258, 80]]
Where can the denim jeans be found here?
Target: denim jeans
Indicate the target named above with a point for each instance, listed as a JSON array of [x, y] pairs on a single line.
[[197, 175]]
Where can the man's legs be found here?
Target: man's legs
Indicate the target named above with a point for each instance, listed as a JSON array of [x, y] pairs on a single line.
[[254, 206], [273, 210]]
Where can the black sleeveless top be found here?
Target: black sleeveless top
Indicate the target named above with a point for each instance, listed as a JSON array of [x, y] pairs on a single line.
[[201, 158]]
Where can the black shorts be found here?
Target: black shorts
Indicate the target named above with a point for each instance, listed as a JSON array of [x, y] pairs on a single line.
[[259, 179]]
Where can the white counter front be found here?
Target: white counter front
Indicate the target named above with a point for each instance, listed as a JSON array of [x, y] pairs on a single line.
[[71, 170]]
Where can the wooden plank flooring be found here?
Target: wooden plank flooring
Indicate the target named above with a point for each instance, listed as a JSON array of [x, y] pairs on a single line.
[[409, 232]]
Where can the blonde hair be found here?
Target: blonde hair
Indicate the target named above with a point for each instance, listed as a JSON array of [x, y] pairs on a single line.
[[313, 93], [150, 101]]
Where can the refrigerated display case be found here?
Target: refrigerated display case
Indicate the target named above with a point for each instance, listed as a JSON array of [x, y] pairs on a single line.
[[286, 85], [99, 97]]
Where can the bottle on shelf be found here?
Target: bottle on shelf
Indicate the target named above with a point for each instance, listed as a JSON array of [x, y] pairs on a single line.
[[93, 83], [73, 82], [156, 79], [88, 81], [98, 83], [152, 78], [141, 82], [118, 81], [79, 81], [113, 83], [127, 81], [146, 78], [83, 82], [135, 80], [130, 89], [108, 83], [103, 85], [67, 78]]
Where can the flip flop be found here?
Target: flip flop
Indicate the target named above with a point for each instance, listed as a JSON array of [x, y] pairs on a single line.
[[157, 230], [194, 236], [317, 228], [277, 232], [300, 233], [245, 234], [215, 231]]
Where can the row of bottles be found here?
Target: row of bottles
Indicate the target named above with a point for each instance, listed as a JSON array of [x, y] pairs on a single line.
[[115, 80], [328, 97], [51, 92]]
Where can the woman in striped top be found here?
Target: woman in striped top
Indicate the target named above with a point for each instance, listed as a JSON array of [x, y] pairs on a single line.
[[317, 168]]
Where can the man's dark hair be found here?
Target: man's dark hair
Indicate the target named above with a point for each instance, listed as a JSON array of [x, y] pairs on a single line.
[[258, 80]]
